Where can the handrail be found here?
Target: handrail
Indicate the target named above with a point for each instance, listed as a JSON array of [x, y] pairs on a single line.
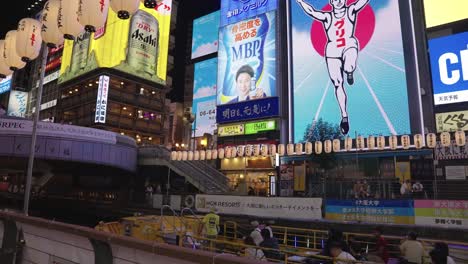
[[193, 214], [173, 219]]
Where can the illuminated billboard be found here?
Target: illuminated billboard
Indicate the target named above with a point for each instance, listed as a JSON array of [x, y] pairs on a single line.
[[137, 46], [247, 60], [348, 67], [233, 11], [441, 12], [17, 103], [205, 35], [5, 84], [449, 66], [452, 121], [204, 97]]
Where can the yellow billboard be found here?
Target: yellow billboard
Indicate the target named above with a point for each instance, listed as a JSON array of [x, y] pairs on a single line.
[[439, 12], [137, 46]]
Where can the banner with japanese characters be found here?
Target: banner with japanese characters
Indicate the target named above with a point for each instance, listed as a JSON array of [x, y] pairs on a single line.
[[371, 211], [277, 207], [18, 103], [452, 121], [233, 11], [441, 213]]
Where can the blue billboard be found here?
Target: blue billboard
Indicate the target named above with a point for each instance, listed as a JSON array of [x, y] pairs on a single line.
[[205, 35], [247, 110], [5, 85], [233, 11], [449, 66], [349, 71], [204, 97]]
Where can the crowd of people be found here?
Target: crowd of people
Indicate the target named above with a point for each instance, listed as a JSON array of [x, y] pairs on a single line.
[[408, 190]]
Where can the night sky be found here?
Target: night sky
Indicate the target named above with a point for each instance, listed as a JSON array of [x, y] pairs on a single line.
[[18, 10]]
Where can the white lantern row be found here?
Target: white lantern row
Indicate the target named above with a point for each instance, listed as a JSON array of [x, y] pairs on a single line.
[[124, 8], [317, 147]]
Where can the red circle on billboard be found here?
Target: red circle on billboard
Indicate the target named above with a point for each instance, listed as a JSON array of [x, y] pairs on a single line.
[[364, 28]]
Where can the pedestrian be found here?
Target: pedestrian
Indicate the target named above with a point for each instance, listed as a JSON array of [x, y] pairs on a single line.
[[271, 243], [341, 256], [251, 251], [149, 193], [256, 233], [210, 224], [334, 235], [381, 249], [357, 189], [268, 227], [405, 189], [443, 249], [411, 249], [418, 189]]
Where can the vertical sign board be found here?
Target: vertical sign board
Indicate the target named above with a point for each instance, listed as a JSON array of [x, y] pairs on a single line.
[[5, 84], [441, 213], [452, 121], [17, 103], [204, 97], [449, 66], [205, 35], [349, 70], [101, 101], [247, 61]]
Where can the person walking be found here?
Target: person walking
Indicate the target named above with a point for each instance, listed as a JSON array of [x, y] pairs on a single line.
[[210, 224], [411, 249], [256, 233], [381, 249]]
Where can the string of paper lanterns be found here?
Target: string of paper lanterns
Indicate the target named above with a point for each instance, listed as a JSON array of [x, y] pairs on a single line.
[[328, 146]]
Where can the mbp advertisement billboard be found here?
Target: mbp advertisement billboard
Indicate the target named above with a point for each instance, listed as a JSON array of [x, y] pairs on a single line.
[[137, 46], [247, 69], [449, 66], [205, 35], [349, 67], [233, 11], [204, 97]]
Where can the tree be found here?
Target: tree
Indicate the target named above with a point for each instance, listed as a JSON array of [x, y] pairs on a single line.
[[321, 131]]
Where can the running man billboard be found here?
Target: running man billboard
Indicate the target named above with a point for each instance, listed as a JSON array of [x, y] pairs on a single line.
[[348, 67], [137, 46]]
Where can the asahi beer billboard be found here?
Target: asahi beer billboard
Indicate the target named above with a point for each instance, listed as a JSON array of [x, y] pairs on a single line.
[[137, 46], [349, 68]]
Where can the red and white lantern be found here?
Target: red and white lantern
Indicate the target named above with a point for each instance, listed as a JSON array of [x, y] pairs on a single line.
[[49, 18], [381, 142], [460, 138], [418, 141], [431, 140], [348, 143], [272, 149], [190, 155], [68, 21], [290, 149], [318, 147], [393, 142], [371, 142], [124, 8], [445, 139], [28, 39], [92, 14], [221, 153], [328, 146], [336, 145], [309, 148], [299, 149], [12, 59], [4, 68], [281, 149]]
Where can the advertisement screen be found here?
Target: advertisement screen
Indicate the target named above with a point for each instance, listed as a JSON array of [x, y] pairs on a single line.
[[5, 84], [449, 66], [17, 103], [440, 12], [204, 97], [348, 68], [233, 11], [137, 46], [452, 121], [205, 35], [247, 60]]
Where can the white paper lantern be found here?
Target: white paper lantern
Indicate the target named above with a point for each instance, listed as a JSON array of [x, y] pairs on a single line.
[[233, 152], [299, 149], [227, 152], [290, 149], [405, 141], [149, 3], [92, 14], [196, 155], [221, 153], [12, 59], [248, 150], [348, 143], [371, 142], [309, 148], [214, 154], [202, 155], [174, 155], [256, 150], [184, 155], [445, 139], [281, 149], [418, 141], [393, 142], [327, 146], [318, 147], [241, 151], [460, 138], [208, 154], [4, 68], [264, 150], [190, 155], [179, 155], [272, 149], [336, 145], [431, 140], [124, 8], [28, 39], [68, 22], [49, 18], [360, 144], [381, 142]]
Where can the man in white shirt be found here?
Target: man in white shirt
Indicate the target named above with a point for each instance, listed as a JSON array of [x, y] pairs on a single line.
[[256, 233], [411, 249], [338, 253]]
